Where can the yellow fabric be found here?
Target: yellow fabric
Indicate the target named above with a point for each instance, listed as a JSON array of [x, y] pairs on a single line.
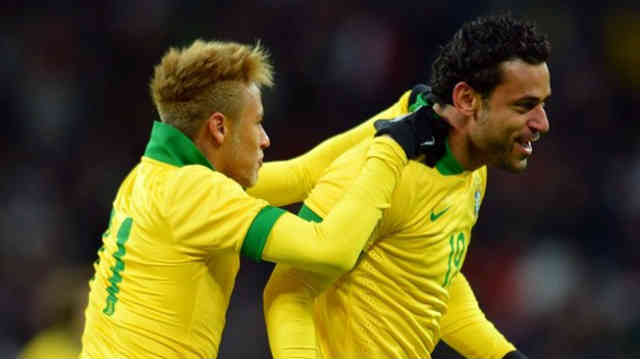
[[466, 329], [392, 302], [289, 299], [286, 182], [338, 241], [169, 259], [177, 266], [55, 342]]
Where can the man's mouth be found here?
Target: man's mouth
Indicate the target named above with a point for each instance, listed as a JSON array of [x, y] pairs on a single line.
[[526, 143]]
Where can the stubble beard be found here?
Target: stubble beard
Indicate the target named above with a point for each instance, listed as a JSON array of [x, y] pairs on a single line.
[[506, 160], [500, 152]]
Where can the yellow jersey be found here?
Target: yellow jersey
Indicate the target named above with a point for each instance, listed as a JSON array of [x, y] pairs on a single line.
[[162, 281], [392, 303], [170, 254]]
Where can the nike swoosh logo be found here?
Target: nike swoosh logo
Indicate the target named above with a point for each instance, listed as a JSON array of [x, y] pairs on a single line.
[[435, 216]]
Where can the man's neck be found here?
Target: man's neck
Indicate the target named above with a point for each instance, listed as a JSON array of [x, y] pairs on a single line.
[[462, 150], [458, 140]]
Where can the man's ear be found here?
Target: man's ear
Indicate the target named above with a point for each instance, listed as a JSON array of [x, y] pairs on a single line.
[[465, 99], [217, 127]]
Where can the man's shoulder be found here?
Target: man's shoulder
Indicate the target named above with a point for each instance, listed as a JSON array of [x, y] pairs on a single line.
[[481, 173], [161, 174], [197, 180], [416, 170], [199, 173]]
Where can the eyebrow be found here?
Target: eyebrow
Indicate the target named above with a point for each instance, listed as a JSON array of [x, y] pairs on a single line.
[[530, 99]]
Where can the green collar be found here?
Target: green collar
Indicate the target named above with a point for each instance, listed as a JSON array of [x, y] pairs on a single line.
[[169, 145], [448, 165]]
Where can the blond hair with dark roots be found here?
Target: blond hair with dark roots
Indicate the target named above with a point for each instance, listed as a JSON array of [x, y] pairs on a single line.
[[191, 83]]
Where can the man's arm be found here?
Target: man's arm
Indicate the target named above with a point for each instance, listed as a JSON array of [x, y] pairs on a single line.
[[285, 182], [465, 327], [332, 246], [209, 212], [288, 310]]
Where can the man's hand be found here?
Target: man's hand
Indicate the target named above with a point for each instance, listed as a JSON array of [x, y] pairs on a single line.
[[412, 131], [421, 131]]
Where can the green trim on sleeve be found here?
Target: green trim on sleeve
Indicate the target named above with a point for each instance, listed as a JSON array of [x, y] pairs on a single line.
[[258, 232], [307, 214]]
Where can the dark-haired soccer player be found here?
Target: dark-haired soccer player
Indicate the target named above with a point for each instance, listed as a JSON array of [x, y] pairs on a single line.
[[489, 87]]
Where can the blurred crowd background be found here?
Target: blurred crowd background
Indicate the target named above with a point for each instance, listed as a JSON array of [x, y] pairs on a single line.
[[553, 261]]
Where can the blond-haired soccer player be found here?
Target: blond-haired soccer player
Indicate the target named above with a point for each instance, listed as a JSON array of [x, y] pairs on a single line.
[[490, 83], [181, 217]]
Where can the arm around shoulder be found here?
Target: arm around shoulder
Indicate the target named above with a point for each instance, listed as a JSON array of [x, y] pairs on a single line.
[[285, 182], [334, 245]]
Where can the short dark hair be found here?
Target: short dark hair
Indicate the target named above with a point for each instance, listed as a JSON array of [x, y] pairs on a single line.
[[477, 49]]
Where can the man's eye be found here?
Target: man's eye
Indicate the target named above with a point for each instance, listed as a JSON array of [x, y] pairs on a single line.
[[526, 107]]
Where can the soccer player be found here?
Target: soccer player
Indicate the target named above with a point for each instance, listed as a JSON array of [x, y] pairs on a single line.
[[181, 217], [489, 87]]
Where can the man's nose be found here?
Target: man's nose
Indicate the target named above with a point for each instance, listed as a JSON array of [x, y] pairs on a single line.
[[265, 139], [539, 120]]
